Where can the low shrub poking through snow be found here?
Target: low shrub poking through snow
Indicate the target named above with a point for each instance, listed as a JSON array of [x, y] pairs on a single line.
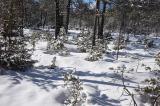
[[84, 41], [120, 47], [74, 86], [148, 43], [63, 36], [53, 65], [158, 58], [119, 43], [96, 52], [151, 92], [64, 52], [57, 46], [34, 39], [94, 55]]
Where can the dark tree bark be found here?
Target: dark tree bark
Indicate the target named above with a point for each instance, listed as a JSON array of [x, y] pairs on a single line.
[[22, 18], [67, 17], [57, 27], [100, 34], [80, 20], [95, 23], [45, 19], [41, 18], [122, 27]]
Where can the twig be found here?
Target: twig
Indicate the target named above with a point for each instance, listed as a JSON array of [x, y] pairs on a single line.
[[155, 101], [127, 91]]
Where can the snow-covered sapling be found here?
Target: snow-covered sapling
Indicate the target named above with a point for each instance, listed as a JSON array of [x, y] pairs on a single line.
[[57, 45], [63, 36], [84, 40], [151, 90], [96, 52], [94, 55], [157, 58], [53, 65], [34, 39], [148, 43], [119, 43], [64, 52], [74, 87]]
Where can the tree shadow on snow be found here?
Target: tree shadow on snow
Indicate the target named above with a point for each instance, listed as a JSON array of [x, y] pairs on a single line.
[[122, 53], [44, 78], [104, 100], [47, 78], [114, 76]]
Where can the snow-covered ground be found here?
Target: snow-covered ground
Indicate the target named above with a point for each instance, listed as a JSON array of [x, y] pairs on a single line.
[[101, 79]]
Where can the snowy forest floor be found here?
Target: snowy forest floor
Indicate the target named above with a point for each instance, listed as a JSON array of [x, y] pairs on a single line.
[[101, 79]]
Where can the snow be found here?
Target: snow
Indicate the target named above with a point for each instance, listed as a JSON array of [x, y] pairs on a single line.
[[44, 87]]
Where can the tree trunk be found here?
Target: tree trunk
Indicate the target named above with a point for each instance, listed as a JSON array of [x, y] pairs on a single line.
[[22, 18], [95, 23], [67, 17], [80, 20], [57, 27], [41, 19], [102, 21], [122, 25], [45, 19]]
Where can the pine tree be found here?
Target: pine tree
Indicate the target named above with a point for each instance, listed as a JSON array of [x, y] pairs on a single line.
[[14, 54]]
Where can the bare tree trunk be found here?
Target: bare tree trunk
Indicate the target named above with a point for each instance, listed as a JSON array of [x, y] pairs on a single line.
[[102, 21], [22, 18], [80, 20], [57, 28], [41, 18], [122, 25], [45, 19], [117, 55], [67, 17], [95, 23]]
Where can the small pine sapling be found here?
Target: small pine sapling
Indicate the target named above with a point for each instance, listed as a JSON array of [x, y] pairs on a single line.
[[83, 42], [119, 43], [97, 51], [34, 39], [157, 59], [94, 55], [151, 92], [57, 45], [53, 65], [64, 52], [63, 36], [74, 86], [108, 36], [49, 39]]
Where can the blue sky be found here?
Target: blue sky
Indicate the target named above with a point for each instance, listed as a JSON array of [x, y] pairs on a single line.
[[95, 1], [89, 0]]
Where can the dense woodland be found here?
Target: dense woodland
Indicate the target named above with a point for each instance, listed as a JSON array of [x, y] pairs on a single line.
[[125, 16], [97, 20]]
